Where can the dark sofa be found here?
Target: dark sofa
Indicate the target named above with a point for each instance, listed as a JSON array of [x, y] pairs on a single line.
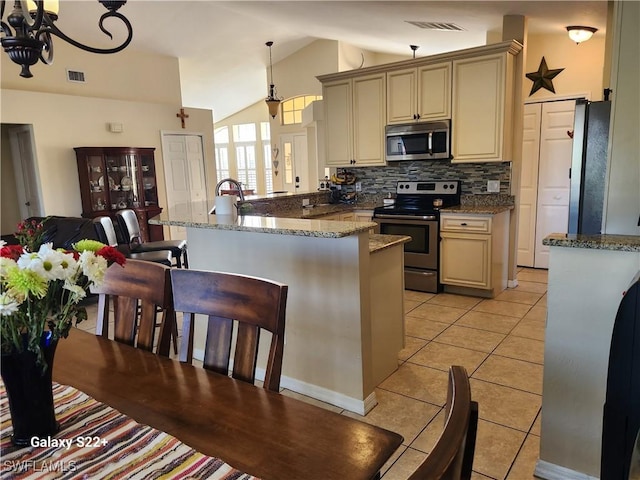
[[63, 231]]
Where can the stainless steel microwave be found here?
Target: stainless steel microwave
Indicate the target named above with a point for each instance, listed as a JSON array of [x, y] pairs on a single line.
[[418, 141]]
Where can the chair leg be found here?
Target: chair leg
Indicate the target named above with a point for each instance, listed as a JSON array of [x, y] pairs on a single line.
[[186, 259], [174, 335], [179, 260]]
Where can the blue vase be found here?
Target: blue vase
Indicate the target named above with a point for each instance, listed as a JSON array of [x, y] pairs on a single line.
[[30, 395]]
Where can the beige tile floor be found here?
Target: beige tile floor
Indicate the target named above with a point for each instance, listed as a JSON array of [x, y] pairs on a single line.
[[500, 342]]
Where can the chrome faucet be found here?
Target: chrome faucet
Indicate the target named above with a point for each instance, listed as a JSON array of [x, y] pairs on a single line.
[[233, 182]]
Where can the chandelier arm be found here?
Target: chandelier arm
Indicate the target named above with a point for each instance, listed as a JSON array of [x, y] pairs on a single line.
[[2, 12], [30, 22], [45, 38], [53, 30], [6, 29]]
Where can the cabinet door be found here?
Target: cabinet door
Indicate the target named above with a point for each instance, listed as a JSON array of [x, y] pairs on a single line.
[[401, 96], [337, 123], [478, 117], [465, 260], [363, 216], [368, 120], [434, 92]]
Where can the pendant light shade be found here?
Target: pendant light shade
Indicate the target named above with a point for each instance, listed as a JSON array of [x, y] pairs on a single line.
[[580, 34], [273, 101]]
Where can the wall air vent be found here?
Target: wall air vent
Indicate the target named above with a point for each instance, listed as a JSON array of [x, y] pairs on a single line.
[[447, 27], [75, 76]]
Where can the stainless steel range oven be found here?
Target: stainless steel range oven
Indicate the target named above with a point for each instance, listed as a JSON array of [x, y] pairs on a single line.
[[416, 213]]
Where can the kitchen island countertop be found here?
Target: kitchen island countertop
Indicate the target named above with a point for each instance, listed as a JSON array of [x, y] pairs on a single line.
[[306, 227], [624, 243]]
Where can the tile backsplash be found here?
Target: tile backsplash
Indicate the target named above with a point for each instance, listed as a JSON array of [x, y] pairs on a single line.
[[473, 176]]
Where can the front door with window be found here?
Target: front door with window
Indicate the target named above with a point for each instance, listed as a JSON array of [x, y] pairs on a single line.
[[294, 164]]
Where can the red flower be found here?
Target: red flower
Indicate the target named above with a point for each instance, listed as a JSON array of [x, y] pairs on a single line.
[[112, 255], [11, 251]]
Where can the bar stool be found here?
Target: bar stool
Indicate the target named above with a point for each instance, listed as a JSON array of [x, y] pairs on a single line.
[[128, 223]]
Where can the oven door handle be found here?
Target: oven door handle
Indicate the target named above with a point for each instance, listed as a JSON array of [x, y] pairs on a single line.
[[406, 217]]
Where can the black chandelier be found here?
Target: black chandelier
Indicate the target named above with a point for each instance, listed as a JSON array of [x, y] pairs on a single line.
[[33, 26]]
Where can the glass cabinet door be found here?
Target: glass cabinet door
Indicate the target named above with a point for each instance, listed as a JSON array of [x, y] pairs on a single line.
[[148, 176], [98, 183]]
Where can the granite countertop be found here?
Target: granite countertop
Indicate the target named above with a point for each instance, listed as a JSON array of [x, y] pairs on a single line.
[[478, 209], [318, 210], [379, 242], [623, 243], [306, 227]]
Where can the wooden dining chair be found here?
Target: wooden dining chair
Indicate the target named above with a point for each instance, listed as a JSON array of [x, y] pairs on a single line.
[[452, 456], [254, 304], [139, 291]]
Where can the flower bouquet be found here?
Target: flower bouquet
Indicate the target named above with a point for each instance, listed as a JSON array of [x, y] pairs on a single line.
[[41, 288]]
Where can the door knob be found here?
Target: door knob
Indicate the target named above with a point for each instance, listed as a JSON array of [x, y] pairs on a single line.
[[28, 204]]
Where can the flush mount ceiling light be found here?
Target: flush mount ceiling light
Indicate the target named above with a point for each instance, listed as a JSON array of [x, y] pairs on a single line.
[[33, 25], [273, 102], [580, 34]]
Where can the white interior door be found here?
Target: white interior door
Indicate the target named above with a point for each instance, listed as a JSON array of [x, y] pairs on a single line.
[[295, 164], [184, 177], [529, 184], [553, 183], [24, 167]]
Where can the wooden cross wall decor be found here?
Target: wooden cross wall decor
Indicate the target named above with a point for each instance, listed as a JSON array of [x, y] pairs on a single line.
[[182, 116]]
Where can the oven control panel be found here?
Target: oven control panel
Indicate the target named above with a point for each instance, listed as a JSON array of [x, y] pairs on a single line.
[[438, 187]]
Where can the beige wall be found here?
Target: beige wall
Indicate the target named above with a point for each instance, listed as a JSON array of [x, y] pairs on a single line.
[[124, 76], [622, 206], [62, 122], [142, 92], [583, 65]]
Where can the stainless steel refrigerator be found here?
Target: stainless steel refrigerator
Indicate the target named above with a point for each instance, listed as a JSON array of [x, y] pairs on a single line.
[[589, 166]]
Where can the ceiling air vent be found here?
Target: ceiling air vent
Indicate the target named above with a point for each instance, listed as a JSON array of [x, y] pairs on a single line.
[[75, 76], [447, 27]]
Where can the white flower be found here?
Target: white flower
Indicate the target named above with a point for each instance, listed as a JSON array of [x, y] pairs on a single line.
[[68, 265], [28, 259], [93, 266], [8, 304], [51, 266], [6, 264], [77, 292]]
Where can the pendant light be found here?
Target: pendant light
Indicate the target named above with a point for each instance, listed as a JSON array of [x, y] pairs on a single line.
[[273, 102]]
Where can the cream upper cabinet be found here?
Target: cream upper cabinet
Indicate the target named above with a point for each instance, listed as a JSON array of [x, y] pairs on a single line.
[[419, 94], [354, 121], [482, 108], [474, 252]]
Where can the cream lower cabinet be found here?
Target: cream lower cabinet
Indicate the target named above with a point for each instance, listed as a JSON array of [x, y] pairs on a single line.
[[354, 121], [419, 94], [474, 253]]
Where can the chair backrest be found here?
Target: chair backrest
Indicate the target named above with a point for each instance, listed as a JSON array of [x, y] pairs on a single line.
[[254, 303], [105, 231], [128, 222], [138, 290], [452, 456]]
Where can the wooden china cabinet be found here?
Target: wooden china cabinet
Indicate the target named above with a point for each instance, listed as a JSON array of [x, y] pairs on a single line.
[[114, 178]]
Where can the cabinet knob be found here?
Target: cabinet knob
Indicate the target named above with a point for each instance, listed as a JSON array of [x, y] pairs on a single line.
[[463, 224]]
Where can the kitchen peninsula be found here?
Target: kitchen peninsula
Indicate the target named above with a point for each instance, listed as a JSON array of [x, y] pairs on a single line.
[[345, 314]]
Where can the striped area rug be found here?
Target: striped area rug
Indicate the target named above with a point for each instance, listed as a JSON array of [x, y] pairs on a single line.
[[115, 447]]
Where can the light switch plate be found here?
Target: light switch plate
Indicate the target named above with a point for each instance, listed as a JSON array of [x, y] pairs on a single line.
[[305, 202], [493, 186]]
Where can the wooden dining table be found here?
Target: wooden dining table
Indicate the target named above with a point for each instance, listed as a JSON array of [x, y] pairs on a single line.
[[259, 432]]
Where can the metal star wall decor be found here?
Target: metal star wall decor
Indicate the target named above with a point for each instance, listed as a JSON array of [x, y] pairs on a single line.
[[543, 77]]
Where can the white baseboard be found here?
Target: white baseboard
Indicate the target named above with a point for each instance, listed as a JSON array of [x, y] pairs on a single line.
[[551, 471], [361, 407]]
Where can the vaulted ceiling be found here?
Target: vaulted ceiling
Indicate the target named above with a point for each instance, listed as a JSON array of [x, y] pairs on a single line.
[[221, 44]]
